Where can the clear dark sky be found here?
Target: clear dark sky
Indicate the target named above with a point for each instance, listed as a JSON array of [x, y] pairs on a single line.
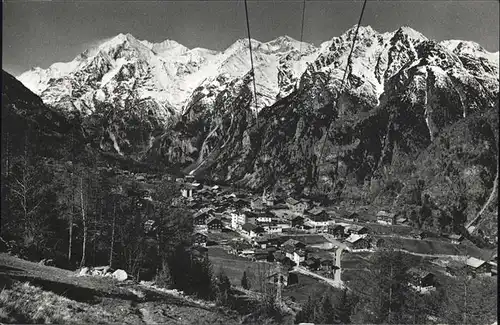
[[39, 33]]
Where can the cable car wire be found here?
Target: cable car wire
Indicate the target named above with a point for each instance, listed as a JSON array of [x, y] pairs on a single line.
[[343, 78]]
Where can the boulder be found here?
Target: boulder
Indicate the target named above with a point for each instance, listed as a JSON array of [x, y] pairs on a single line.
[[83, 271], [120, 275]]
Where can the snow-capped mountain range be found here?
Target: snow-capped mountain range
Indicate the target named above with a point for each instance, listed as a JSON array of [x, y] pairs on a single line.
[[166, 73]]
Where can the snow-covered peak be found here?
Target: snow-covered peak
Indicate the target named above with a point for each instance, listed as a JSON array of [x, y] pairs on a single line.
[[469, 48], [411, 33]]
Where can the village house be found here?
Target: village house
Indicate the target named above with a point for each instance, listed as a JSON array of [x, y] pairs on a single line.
[[296, 206], [422, 278], [478, 266], [328, 265], [200, 218], [311, 263], [260, 242], [318, 217], [297, 222], [355, 229], [257, 204], [385, 218], [337, 231], [239, 203], [294, 244], [456, 238], [356, 241], [283, 224], [251, 230], [200, 239], [214, 224], [299, 256], [271, 227], [352, 216], [268, 200]]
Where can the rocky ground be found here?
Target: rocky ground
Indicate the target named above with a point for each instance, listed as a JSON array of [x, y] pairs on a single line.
[[33, 293]]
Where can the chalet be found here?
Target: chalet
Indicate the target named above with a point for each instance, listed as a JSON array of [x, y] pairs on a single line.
[[251, 230], [318, 217], [311, 263], [294, 244], [386, 218], [422, 278], [200, 218], [189, 178], [271, 227], [261, 242], [299, 256], [200, 239], [283, 224], [257, 204], [297, 222], [456, 238], [214, 224], [353, 216], [179, 180], [268, 200], [478, 266], [356, 229], [328, 265], [296, 206], [336, 231], [279, 256], [239, 203], [356, 241]]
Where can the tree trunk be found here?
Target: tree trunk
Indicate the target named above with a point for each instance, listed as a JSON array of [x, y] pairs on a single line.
[[70, 248], [84, 219], [112, 235]]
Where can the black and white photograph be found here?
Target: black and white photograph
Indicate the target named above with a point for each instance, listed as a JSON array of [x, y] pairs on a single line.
[[240, 162]]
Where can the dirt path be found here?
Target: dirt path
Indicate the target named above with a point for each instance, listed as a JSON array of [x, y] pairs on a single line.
[[329, 281]]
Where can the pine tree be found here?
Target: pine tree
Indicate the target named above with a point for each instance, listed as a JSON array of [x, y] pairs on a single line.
[[325, 312], [244, 281], [307, 312], [343, 308], [223, 288]]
